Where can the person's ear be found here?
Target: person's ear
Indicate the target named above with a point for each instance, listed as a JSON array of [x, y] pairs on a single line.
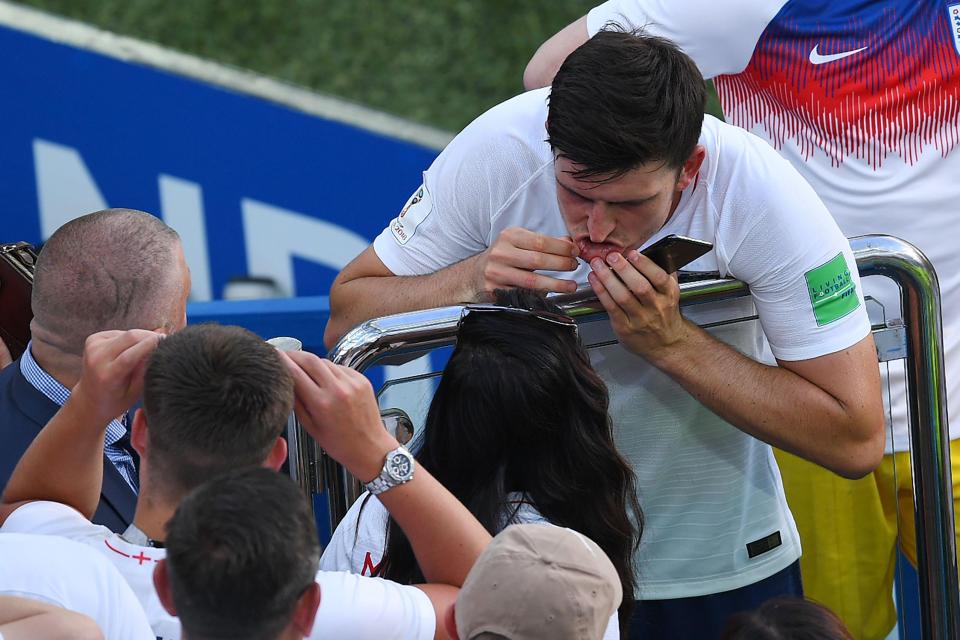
[[277, 455], [139, 437], [691, 167], [305, 611], [450, 622], [161, 582]]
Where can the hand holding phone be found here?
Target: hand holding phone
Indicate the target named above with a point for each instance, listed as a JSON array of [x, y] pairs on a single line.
[[643, 304]]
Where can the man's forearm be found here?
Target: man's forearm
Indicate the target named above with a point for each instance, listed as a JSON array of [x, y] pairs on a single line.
[[356, 300], [337, 407], [446, 538], [64, 463], [551, 54], [27, 618], [775, 404]]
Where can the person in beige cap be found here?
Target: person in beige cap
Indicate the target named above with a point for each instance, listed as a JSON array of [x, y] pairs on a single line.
[[537, 581]]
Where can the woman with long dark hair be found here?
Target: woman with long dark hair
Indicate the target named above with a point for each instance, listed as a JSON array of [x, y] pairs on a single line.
[[518, 430]]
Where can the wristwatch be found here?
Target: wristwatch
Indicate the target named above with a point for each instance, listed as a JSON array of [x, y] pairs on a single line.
[[397, 469]]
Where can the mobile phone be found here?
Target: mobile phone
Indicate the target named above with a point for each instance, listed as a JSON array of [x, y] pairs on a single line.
[[16, 286], [674, 252]]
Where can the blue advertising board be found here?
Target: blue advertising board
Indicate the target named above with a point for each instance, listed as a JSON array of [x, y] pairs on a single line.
[[257, 182], [254, 187]]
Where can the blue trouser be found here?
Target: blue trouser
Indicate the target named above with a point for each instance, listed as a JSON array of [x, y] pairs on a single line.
[[704, 617]]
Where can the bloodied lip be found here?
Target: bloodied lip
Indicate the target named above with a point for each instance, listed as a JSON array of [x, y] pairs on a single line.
[[590, 250]]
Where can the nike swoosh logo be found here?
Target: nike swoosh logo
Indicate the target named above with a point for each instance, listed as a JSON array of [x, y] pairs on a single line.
[[817, 58]]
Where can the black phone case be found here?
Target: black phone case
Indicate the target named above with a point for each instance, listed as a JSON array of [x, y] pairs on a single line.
[[672, 253]]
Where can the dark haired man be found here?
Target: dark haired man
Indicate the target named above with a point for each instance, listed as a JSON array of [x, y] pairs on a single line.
[[242, 553], [863, 98], [217, 398], [616, 155], [113, 269]]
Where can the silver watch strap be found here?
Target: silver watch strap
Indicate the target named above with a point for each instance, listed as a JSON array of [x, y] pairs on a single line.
[[384, 479], [378, 485]]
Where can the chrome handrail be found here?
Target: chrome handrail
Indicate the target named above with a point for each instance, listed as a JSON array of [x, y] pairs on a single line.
[[929, 426], [417, 332]]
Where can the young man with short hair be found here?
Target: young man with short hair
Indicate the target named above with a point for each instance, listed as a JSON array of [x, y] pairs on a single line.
[[242, 555], [215, 399]]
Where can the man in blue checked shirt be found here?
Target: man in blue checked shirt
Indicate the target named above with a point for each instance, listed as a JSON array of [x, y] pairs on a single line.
[[113, 269]]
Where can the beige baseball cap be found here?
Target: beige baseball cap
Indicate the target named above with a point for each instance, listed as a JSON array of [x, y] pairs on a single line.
[[538, 581]]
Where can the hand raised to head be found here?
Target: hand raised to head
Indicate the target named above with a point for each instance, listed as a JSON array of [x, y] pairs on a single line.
[[336, 406], [113, 366]]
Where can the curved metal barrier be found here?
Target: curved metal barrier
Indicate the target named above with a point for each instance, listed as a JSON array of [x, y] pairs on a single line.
[[918, 340]]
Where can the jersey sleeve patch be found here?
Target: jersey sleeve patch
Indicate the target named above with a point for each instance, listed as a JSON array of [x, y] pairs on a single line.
[[833, 293], [416, 210]]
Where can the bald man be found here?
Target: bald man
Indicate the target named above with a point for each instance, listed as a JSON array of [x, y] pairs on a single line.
[[113, 269]]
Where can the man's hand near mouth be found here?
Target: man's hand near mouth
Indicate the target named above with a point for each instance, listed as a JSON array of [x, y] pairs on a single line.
[[517, 255], [512, 261]]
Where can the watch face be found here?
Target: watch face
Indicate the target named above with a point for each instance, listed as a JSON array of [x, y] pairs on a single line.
[[399, 466]]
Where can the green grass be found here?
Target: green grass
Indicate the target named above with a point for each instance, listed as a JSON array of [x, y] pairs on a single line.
[[438, 62]]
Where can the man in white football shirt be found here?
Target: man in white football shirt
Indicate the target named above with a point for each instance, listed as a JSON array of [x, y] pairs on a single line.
[[614, 157], [864, 100]]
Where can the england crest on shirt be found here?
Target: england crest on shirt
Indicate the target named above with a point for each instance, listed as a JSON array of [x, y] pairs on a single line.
[[953, 12], [418, 207]]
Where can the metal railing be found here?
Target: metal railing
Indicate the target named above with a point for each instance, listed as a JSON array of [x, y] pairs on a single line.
[[918, 340]]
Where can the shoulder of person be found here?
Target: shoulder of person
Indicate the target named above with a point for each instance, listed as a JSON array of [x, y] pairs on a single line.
[[74, 576], [362, 608], [22, 403], [7, 373], [52, 518], [509, 138], [742, 165], [523, 115], [360, 533], [366, 514]]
